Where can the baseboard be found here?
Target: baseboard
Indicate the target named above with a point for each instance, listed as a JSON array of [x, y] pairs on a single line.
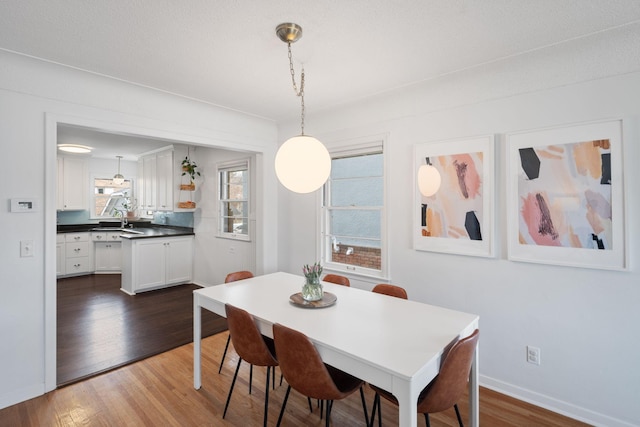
[[564, 408], [17, 396]]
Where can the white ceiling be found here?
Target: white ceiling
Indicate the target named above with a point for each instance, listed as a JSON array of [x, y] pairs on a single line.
[[226, 52]]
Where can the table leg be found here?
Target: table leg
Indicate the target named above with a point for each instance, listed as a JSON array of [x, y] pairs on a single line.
[[408, 406], [197, 337], [474, 393]]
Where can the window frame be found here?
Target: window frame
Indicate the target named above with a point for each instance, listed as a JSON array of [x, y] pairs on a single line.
[[241, 164], [92, 187], [373, 145]]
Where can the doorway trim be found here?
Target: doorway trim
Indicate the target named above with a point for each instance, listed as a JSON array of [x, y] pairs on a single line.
[[177, 133]]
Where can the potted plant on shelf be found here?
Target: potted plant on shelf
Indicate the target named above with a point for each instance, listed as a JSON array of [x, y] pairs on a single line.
[[189, 168]]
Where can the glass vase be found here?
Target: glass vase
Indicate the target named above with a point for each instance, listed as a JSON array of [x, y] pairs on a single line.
[[312, 289]]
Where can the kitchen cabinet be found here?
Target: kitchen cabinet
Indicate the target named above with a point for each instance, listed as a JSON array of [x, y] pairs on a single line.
[[152, 263], [61, 259], [149, 182], [78, 254], [108, 252], [72, 183], [164, 180], [157, 181]]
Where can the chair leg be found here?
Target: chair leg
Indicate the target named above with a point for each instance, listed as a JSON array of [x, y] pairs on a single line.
[[250, 377], [455, 406], [233, 382], [373, 410], [364, 406], [379, 412], [273, 379], [426, 419], [226, 347], [284, 404], [310, 407], [266, 397], [327, 420]]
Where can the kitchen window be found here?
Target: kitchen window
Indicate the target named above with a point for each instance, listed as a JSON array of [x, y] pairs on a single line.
[[111, 200], [233, 199], [353, 211]]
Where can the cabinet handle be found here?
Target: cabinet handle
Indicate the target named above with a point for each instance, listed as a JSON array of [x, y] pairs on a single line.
[[76, 250], [77, 237], [98, 237]]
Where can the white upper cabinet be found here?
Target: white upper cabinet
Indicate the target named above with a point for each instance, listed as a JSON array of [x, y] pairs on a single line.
[[72, 183], [165, 180]]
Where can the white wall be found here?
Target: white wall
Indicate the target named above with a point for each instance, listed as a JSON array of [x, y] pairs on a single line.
[[586, 322], [212, 251], [34, 95]]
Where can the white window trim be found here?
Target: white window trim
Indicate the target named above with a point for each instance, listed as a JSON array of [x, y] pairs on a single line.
[[92, 207], [351, 148], [246, 162]]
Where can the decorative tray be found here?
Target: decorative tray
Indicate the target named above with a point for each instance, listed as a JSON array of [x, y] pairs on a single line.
[[328, 299]]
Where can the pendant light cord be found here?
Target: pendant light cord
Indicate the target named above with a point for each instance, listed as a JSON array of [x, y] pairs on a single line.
[[300, 92]]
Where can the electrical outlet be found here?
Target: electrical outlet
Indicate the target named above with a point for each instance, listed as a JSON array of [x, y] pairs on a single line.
[[533, 355]]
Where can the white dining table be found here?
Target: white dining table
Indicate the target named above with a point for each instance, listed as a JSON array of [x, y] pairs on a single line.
[[392, 343]]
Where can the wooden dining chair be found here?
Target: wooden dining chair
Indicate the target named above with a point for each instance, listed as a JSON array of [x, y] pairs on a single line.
[[252, 347], [391, 290], [232, 277], [337, 279], [446, 388], [305, 372]]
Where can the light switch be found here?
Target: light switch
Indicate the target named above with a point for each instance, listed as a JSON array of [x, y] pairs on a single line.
[[26, 248]]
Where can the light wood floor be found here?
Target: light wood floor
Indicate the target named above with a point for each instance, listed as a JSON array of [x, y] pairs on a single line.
[[158, 391]]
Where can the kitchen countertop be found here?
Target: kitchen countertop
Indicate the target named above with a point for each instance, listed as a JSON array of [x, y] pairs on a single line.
[[140, 230]]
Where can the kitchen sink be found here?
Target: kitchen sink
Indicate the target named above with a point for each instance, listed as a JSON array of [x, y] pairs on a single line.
[[124, 230]]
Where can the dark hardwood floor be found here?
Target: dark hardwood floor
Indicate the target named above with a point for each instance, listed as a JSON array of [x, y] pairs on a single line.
[[101, 328]]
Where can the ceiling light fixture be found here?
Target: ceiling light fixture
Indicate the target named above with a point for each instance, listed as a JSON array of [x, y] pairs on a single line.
[[303, 163], [428, 179], [118, 178], [74, 148]]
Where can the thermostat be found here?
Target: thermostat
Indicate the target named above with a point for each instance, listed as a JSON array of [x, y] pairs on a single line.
[[24, 205]]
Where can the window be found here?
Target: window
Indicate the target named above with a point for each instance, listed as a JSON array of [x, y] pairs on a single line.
[[111, 200], [353, 212], [233, 199]]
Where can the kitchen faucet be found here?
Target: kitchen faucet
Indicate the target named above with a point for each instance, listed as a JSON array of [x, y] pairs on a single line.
[[123, 218]]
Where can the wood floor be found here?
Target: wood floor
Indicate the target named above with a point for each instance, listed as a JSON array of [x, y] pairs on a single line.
[[159, 391], [100, 327]]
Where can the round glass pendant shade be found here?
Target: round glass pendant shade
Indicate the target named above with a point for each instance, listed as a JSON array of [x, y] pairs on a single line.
[[303, 164], [428, 180]]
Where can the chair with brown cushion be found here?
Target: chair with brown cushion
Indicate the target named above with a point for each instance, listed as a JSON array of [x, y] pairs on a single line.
[[305, 371], [337, 279], [391, 290], [251, 346], [446, 388], [232, 277]]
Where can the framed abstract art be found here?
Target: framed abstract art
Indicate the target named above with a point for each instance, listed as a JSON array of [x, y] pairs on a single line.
[[459, 217], [565, 198]]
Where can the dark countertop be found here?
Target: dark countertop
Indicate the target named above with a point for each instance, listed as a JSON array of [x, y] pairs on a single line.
[[161, 231], [140, 230]]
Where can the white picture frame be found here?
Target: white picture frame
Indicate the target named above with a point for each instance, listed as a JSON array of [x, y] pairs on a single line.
[[457, 201], [567, 209]]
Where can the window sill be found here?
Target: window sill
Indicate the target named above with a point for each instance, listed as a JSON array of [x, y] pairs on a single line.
[[232, 236]]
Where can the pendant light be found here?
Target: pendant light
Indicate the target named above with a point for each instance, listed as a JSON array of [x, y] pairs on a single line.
[[118, 179], [302, 163], [428, 179]]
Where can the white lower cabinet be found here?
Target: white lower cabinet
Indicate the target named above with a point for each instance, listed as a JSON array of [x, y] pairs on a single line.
[[152, 263], [61, 259], [77, 254], [108, 252]]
